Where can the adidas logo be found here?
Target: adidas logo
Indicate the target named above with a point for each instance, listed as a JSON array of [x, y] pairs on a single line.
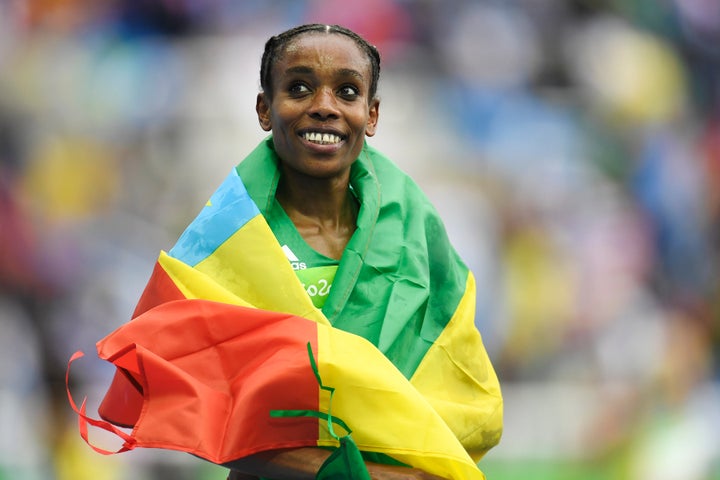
[[289, 254], [294, 260]]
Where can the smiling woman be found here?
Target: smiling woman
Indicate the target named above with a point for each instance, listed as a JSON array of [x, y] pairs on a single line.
[[319, 106], [314, 239]]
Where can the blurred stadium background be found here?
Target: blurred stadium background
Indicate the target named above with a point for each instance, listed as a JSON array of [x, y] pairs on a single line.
[[573, 148]]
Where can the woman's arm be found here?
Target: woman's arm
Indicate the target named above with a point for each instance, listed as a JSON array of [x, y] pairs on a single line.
[[291, 464], [304, 463]]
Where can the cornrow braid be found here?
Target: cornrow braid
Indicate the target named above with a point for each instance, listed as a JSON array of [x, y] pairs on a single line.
[[275, 46]]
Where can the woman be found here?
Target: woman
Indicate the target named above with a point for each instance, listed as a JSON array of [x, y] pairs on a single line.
[[369, 257]]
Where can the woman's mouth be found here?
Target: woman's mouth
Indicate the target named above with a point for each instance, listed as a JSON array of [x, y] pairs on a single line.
[[322, 138]]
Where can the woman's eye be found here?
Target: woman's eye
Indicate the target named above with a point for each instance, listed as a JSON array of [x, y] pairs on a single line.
[[349, 92], [298, 89]]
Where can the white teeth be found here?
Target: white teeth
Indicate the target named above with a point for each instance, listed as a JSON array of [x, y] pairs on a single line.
[[321, 138]]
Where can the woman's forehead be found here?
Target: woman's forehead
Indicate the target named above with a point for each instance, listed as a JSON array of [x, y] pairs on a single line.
[[320, 50]]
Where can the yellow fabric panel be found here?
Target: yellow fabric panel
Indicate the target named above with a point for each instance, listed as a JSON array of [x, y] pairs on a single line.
[[252, 264], [324, 404], [458, 380], [194, 284], [385, 412], [383, 409]]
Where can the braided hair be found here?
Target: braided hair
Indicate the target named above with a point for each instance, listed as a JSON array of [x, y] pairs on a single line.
[[275, 46]]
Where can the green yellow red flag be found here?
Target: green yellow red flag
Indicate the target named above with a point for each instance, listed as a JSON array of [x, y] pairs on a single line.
[[218, 344]]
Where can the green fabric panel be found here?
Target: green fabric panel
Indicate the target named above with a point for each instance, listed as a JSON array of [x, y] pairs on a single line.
[[398, 255], [260, 175], [377, 457], [345, 463]]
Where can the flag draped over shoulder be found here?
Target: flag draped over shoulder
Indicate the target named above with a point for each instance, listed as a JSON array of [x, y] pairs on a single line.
[[216, 359]]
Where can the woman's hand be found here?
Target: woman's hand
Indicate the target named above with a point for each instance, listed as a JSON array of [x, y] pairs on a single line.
[[304, 462], [377, 472], [388, 472], [235, 475], [383, 473]]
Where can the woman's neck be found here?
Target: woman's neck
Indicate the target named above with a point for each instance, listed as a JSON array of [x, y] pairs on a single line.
[[324, 211]]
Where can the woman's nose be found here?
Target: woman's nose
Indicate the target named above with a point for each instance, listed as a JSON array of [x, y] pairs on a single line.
[[324, 104]]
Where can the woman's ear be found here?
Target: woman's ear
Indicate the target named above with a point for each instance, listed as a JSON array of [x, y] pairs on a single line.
[[373, 115], [262, 107]]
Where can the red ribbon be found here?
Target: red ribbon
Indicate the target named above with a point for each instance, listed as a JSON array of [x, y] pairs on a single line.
[[84, 420]]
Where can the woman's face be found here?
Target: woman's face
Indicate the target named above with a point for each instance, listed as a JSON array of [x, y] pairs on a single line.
[[319, 112]]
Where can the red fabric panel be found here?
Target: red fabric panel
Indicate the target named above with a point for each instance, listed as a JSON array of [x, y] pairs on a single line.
[[160, 289], [212, 372], [123, 402]]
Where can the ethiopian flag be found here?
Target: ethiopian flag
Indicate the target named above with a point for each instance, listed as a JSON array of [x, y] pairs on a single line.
[[227, 356]]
